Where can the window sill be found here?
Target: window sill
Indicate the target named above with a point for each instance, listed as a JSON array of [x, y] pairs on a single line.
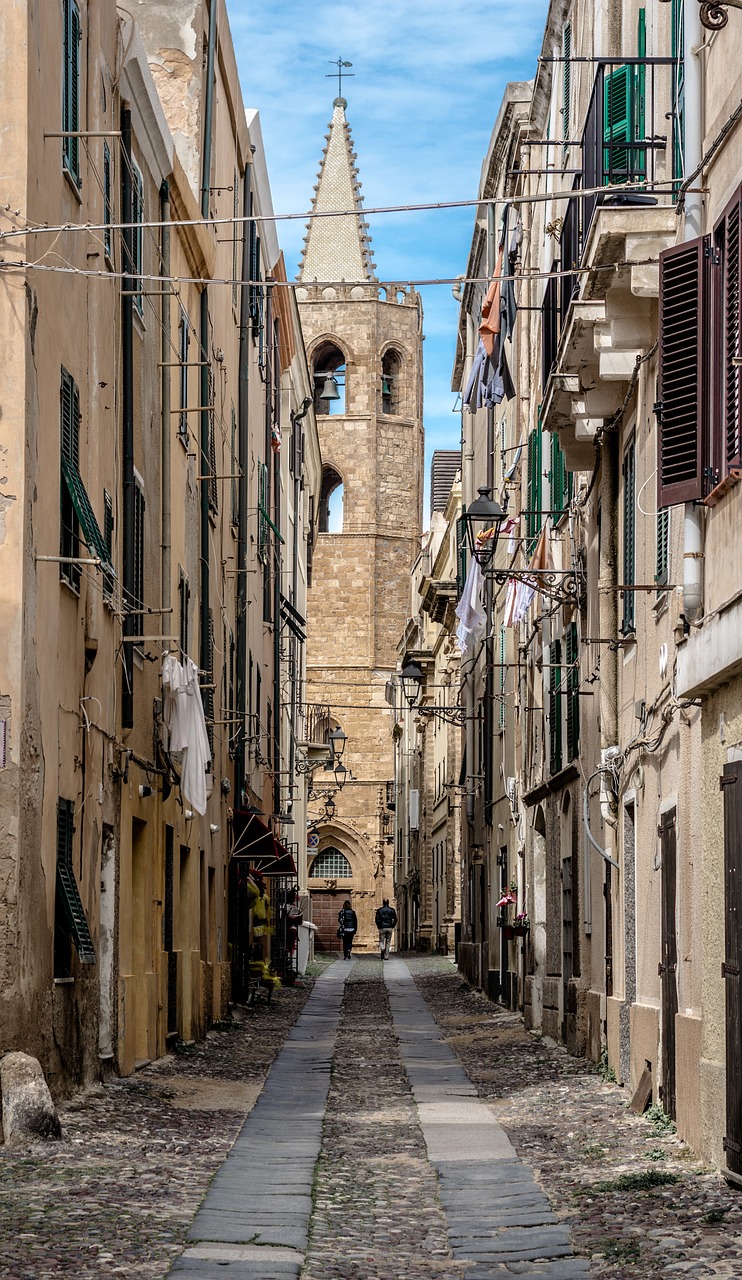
[[70, 586], [660, 605], [139, 324], [722, 488], [74, 185], [64, 982]]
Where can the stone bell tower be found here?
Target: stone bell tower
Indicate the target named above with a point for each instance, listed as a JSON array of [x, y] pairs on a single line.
[[364, 346]]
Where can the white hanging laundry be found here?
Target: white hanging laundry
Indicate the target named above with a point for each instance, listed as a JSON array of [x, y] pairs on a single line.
[[183, 712], [470, 611]]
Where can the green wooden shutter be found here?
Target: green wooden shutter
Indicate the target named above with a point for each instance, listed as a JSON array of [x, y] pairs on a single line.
[[67, 885], [107, 201], [677, 47], [573, 686], [555, 707], [566, 83], [71, 89], [69, 527], [108, 577], [213, 485], [263, 511], [534, 518], [617, 125], [662, 563], [461, 565]]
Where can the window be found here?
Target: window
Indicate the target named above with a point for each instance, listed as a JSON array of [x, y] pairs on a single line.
[[77, 517], [69, 539], [555, 707], [235, 228], [560, 479], [108, 576], [184, 604], [72, 36], [573, 690], [229, 670], [662, 563], [263, 518], [107, 202], [534, 518], [213, 486], [207, 689], [138, 569], [391, 376], [700, 404], [566, 85], [184, 339], [235, 505], [678, 91], [331, 502], [137, 243], [461, 564], [331, 864], [328, 371], [628, 623], [503, 679], [70, 924]]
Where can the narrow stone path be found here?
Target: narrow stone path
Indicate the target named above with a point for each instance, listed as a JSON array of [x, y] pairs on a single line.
[[369, 1156]]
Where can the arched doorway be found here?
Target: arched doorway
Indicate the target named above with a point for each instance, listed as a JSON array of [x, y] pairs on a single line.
[[330, 880]]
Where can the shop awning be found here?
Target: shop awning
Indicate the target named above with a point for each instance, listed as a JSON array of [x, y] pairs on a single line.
[[254, 842]]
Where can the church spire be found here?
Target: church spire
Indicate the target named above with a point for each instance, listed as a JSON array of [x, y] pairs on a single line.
[[337, 249]]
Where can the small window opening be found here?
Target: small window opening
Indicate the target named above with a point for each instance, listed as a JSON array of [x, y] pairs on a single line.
[[391, 369], [328, 372], [331, 502]]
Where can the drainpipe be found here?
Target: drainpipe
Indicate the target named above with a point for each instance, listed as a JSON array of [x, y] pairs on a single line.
[[165, 595], [205, 657], [127, 423], [693, 514], [244, 462], [295, 646]]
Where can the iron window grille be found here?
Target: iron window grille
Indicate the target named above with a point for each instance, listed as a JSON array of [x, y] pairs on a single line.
[[331, 864]]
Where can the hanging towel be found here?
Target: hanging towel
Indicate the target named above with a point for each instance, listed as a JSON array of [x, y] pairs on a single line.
[[183, 712], [469, 611]]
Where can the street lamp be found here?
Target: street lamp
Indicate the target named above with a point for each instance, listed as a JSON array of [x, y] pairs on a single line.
[[484, 516], [338, 740], [341, 774], [412, 683]]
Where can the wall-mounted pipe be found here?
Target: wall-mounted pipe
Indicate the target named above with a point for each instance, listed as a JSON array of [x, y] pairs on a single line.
[[243, 451], [693, 527], [131, 621], [205, 650], [165, 424]]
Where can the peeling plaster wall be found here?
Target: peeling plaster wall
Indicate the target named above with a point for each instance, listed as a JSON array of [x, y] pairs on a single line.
[[174, 33]]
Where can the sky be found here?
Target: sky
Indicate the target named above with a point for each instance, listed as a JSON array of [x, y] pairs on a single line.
[[427, 87]]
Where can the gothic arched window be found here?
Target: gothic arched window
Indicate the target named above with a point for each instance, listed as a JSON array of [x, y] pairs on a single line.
[[331, 502], [391, 382], [328, 371], [331, 864]]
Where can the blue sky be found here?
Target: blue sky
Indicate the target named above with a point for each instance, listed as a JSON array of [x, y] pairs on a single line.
[[428, 84]]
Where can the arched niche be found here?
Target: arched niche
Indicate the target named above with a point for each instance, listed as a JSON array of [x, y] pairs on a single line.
[[331, 501], [391, 382], [329, 377]]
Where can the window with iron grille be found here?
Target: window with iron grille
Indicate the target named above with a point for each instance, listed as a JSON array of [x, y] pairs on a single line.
[[184, 339], [137, 235], [572, 651], [331, 864], [184, 603], [700, 405], [69, 539], [71, 41], [107, 202], [628, 621], [555, 707]]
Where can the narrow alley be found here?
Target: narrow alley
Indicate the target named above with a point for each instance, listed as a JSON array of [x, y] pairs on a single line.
[[399, 1126]]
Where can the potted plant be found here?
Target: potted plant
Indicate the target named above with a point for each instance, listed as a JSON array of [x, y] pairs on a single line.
[[521, 925]]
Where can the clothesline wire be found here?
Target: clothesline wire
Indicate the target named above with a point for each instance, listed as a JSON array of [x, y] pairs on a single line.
[[666, 187]]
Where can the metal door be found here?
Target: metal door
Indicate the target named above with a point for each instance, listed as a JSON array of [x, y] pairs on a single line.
[[731, 783], [168, 935], [669, 962]]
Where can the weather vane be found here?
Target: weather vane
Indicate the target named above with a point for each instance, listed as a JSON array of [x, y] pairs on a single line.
[[340, 73]]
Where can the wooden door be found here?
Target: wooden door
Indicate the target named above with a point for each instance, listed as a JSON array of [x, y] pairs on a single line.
[[566, 943], [669, 963], [731, 783], [326, 904]]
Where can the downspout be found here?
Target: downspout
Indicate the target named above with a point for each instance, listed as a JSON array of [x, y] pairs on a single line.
[[296, 647], [127, 423], [693, 89], [166, 565], [244, 462], [205, 659], [489, 646]]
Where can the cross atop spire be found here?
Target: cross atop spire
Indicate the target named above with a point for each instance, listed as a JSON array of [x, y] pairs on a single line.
[[340, 73], [337, 249]]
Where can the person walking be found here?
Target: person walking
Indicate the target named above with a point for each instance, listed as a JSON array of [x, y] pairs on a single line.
[[348, 927], [386, 923]]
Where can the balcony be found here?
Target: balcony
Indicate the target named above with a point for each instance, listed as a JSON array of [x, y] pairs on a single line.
[[596, 318]]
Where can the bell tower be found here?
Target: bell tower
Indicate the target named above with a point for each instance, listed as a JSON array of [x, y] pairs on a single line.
[[364, 346]]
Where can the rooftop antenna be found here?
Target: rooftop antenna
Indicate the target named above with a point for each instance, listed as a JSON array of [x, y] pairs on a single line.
[[340, 73]]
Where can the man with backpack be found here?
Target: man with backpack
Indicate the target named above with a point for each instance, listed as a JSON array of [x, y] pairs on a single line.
[[386, 922]]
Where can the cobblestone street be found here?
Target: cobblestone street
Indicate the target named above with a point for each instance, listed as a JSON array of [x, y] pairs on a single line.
[[379, 1159]]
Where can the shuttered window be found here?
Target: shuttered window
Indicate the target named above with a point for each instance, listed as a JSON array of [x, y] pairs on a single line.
[[700, 390], [69, 917], [184, 605], [534, 518], [617, 124], [71, 36], [461, 565], [138, 574], [107, 202], [235, 228], [108, 577], [69, 532], [566, 85], [572, 655], [560, 478], [682, 321], [184, 338], [503, 679], [263, 499], [137, 235], [662, 563], [628, 622], [235, 512], [555, 707], [677, 48], [213, 485]]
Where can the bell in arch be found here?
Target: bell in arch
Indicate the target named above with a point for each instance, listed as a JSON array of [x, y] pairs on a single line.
[[330, 389]]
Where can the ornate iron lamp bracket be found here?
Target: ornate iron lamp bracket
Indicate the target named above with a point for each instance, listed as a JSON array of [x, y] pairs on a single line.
[[714, 14], [451, 715]]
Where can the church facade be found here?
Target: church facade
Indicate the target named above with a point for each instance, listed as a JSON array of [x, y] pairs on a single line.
[[364, 348]]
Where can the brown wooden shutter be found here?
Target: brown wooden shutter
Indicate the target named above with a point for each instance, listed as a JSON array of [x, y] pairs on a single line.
[[731, 784], [731, 336], [683, 311]]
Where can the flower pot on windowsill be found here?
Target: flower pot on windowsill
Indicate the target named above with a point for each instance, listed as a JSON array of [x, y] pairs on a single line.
[[520, 930]]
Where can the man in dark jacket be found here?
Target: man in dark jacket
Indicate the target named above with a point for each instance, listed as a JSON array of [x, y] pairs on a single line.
[[386, 922]]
